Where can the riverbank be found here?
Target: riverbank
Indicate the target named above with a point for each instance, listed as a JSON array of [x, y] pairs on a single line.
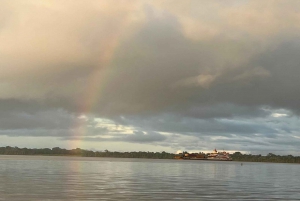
[[56, 151]]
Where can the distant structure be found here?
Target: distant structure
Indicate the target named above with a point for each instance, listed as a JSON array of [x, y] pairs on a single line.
[[191, 156], [215, 155], [219, 156]]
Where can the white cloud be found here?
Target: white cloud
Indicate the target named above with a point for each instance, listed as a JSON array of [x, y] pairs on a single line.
[[278, 115]]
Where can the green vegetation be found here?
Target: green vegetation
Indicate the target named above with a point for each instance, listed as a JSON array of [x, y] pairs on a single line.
[[238, 156], [56, 151]]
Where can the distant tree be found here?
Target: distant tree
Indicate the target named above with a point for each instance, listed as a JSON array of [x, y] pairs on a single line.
[[237, 156]]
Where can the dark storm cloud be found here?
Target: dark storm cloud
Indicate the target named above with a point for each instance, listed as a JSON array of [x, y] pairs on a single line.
[[12, 105], [145, 137], [136, 137], [207, 127], [54, 132], [22, 118], [41, 119], [200, 79]]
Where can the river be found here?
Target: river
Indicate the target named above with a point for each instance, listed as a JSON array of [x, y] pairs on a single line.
[[84, 178]]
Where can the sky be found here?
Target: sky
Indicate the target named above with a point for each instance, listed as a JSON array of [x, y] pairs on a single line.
[[140, 75]]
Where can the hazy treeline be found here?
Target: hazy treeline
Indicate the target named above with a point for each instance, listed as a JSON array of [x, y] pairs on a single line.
[[237, 156], [56, 151], [81, 152]]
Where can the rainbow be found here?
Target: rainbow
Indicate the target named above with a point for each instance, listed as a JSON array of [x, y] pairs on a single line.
[[96, 83]]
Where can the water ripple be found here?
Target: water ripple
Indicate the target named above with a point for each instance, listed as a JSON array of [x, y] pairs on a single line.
[[75, 178]]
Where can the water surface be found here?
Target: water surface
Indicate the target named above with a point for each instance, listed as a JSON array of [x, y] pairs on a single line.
[[80, 178]]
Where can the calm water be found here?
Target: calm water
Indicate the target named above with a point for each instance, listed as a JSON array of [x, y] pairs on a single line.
[[76, 178]]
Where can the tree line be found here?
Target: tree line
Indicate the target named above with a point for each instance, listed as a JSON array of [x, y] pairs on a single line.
[[56, 151], [238, 156]]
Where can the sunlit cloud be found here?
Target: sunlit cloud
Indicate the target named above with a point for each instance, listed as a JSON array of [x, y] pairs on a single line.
[[186, 75]]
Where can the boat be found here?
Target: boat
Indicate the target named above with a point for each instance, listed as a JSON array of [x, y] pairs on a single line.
[[191, 156], [219, 156], [215, 156]]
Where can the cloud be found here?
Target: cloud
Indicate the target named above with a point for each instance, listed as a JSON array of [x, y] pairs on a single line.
[[233, 19], [201, 80], [194, 69], [62, 47], [61, 59], [137, 137], [278, 115], [145, 137]]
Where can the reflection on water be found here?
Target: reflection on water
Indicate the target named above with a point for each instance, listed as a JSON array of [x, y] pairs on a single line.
[[76, 178]]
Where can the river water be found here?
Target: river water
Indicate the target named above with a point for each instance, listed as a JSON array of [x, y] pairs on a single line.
[[80, 178]]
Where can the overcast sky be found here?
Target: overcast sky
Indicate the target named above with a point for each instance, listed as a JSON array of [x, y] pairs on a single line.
[[139, 75]]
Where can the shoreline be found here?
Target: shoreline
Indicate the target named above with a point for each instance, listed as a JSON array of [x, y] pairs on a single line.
[[79, 156]]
